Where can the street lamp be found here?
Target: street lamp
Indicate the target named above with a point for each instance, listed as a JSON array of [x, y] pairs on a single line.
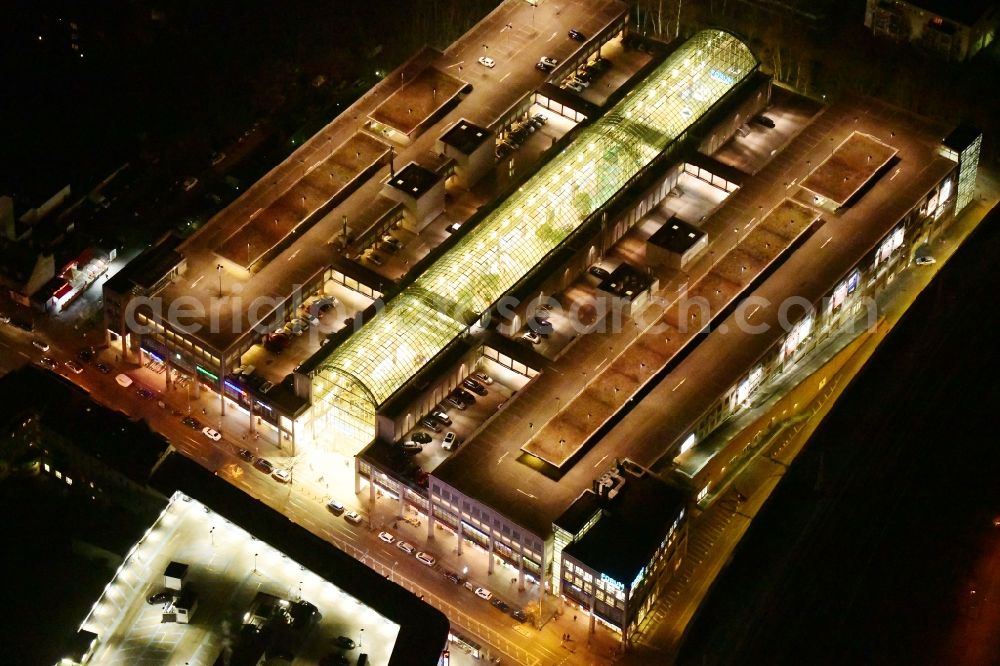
[[218, 267]]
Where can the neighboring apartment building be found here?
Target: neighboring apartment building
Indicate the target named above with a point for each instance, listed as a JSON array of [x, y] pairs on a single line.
[[951, 29]]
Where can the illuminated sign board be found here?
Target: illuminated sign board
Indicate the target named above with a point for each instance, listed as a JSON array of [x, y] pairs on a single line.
[[853, 281], [608, 580]]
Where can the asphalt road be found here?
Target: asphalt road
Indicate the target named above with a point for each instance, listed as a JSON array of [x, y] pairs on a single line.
[[879, 547]]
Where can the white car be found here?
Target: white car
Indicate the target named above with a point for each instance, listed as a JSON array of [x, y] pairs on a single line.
[[211, 434], [450, 441], [353, 517], [531, 337], [572, 85], [925, 260], [483, 593], [426, 558], [281, 475], [406, 547], [385, 536], [551, 62], [40, 344], [482, 378], [124, 380], [487, 62]]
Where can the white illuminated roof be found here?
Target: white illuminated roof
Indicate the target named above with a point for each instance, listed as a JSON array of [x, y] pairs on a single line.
[[227, 567]]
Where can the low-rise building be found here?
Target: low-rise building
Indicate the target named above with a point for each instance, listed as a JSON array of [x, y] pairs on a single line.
[[619, 543]]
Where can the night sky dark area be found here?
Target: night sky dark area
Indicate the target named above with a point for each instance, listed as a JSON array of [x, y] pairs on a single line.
[[870, 549]]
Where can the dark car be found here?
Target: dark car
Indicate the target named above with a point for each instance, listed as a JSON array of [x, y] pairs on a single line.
[[499, 605], [264, 466], [441, 416], [474, 386], [421, 437], [275, 342], [464, 396], [454, 401], [430, 424], [344, 642], [245, 454], [191, 422], [577, 35], [49, 363], [519, 615], [542, 67], [161, 597], [85, 354], [599, 273], [540, 325], [764, 120], [145, 393], [602, 64], [103, 368], [453, 577]]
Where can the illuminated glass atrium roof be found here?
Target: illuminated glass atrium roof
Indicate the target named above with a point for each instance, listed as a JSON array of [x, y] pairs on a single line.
[[395, 344]]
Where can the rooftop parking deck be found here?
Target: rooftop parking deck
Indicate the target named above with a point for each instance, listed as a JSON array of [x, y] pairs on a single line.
[[322, 182], [489, 467], [417, 100]]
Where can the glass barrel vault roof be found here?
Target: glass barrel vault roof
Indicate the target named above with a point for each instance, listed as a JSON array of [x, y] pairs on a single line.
[[395, 344]]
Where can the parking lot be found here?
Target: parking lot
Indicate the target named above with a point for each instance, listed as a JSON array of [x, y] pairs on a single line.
[[274, 363], [465, 421]]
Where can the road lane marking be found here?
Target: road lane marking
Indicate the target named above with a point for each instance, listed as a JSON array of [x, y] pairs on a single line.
[[500, 459], [826, 241], [528, 494], [753, 312], [601, 460], [678, 385], [503, 77], [552, 37], [195, 283]]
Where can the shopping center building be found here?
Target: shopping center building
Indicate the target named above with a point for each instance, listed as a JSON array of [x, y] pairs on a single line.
[[664, 214]]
